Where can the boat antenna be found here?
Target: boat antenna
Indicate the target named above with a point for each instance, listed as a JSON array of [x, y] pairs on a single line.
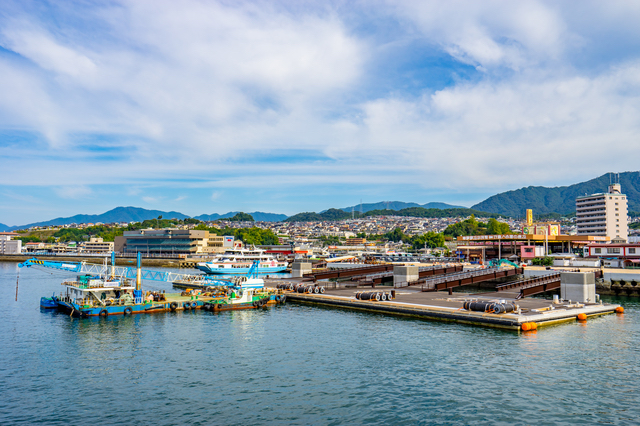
[[137, 293], [113, 264]]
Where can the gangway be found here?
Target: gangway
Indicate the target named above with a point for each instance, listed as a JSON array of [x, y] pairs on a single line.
[[467, 278], [423, 273]]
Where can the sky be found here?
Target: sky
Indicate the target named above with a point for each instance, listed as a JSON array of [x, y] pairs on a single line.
[[287, 106]]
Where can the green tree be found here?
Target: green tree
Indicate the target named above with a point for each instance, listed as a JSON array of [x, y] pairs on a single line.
[[330, 240], [241, 217], [30, 239], [396, 235], [430, 239], [497, 228], [466, 227]]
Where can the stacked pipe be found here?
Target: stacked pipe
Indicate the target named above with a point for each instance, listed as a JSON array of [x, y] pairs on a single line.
[[303, 288], [495, 307], [376, 296], [287, 286]]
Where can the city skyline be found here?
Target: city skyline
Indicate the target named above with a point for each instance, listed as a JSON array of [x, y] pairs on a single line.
[[206, 106]]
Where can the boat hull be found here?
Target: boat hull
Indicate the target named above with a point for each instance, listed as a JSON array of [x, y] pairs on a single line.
[[238, 271], [76, 310], [48, 303]]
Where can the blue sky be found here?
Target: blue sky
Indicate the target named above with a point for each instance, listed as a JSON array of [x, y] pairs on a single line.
[[282, 106]]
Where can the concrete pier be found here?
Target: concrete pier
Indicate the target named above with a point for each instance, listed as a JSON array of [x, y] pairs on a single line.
[[442, 307]]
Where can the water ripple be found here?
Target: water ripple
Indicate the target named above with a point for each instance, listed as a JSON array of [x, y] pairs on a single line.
[[304, 365]]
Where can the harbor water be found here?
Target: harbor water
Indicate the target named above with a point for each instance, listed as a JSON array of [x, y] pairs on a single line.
[[296, 364]]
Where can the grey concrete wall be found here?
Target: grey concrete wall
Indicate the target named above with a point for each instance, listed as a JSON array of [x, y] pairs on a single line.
[[298, 269], [624, 276], [578, 286], [405, 274]]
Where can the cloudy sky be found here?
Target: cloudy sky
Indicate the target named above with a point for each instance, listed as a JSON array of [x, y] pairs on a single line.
[[288, 106]]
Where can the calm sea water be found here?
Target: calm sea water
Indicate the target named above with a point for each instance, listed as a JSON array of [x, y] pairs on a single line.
[[303, 365]]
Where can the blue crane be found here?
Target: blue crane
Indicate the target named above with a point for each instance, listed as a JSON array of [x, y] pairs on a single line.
[[124, 272]]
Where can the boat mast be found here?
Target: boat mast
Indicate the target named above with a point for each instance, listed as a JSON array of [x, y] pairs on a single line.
[[137, 293], [113, 265]]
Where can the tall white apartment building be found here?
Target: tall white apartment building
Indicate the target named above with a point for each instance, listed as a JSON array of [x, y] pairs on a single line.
[[603, 214]]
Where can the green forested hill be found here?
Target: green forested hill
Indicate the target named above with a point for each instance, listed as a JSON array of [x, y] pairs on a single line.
[[561, 199], [338, 214]]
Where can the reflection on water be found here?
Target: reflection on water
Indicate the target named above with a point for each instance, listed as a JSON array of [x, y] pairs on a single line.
[[305, 365]]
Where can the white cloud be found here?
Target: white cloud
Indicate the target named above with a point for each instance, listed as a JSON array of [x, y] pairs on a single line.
[[73, 191], [198, 94], [47, 53], [205, 75], [518, 130], [491, 33]]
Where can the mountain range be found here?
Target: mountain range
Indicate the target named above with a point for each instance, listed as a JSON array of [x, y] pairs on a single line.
[[137, 214], [257, 216], [560, 199], [542, 200], [396, 205]]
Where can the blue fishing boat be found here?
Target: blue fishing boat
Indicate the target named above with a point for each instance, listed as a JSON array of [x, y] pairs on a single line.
[[49, 302], [106, 294]]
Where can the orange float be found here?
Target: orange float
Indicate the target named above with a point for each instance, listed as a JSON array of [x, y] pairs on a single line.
[[526, 326], [582, 317], [534, 326], [619, 310]]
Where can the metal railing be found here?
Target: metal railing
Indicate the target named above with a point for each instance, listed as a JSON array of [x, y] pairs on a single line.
[[460, 276], [530, 282]]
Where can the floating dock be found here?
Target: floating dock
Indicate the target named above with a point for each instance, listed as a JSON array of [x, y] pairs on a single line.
[[531, 313]]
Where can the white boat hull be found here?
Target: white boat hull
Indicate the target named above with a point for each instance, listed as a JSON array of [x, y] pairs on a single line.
[[213, 269]]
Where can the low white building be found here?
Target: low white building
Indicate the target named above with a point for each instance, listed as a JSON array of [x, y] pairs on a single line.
[[8, 245], [97, 245]]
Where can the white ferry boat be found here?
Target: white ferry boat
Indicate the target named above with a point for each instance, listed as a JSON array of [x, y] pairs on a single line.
[[238, 261]]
